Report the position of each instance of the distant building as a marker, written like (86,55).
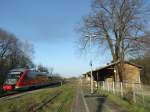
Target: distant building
(133,73)
(86,76)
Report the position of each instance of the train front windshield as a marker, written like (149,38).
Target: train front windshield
(12,77)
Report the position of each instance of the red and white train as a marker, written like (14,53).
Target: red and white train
(25,78)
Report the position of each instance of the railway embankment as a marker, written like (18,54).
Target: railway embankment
(48,99)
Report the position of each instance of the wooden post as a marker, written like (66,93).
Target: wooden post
(81,81)
(113,87)
(139,79)
(107,85)
(121,87)
(103,85)
(61,83)
(97,79)
(142,95)
(133,90)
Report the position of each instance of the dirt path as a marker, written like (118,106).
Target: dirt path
(79,104)
(93,103)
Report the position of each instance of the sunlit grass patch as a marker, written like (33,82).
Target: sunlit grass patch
(28,101)
(130,107)
(63,101)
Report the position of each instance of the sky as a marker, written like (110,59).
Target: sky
(50,26)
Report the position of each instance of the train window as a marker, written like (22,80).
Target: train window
(41,75)
(29,76)
(32,74)
(12,77)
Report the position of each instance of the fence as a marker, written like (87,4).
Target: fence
(133,92)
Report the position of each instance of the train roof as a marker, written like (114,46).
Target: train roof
(22,70)
(18,69)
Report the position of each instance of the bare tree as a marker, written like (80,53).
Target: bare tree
(121,25)
(13,53)
(42,68)
(5,41)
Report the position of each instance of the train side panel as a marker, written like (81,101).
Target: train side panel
(31,79)
(27,79)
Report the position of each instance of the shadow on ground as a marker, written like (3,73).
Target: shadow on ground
(100,101)
(95,102)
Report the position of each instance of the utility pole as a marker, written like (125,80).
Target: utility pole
(91,64)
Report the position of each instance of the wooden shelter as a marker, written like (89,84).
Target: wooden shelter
(132,73)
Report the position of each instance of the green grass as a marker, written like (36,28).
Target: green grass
(27,102)
(1,92)
(64,100)
(129,107)
(24,103)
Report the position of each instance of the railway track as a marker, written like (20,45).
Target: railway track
(48,101)
(16,94)
(61,105)
(13,95)
(44,103)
